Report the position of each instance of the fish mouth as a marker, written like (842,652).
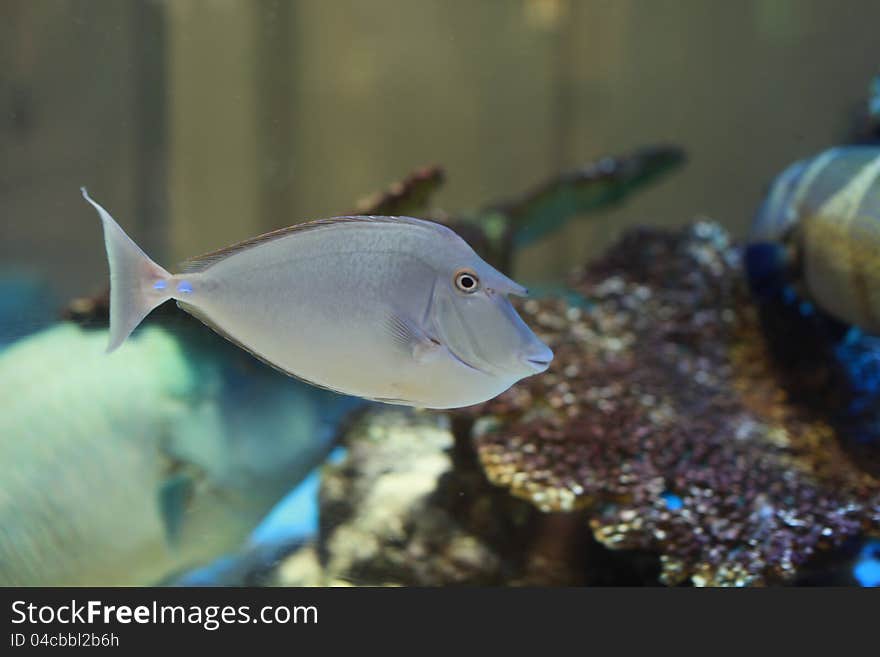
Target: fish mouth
(537,364)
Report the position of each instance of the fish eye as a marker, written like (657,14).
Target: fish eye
(466,281)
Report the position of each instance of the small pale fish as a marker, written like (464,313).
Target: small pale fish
(394,309)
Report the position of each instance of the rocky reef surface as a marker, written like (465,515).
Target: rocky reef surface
(404,508)
(665,444)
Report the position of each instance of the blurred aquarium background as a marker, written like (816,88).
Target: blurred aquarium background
(200,123)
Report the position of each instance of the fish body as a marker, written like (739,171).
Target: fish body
(819,227)
(127,470)
(394,309)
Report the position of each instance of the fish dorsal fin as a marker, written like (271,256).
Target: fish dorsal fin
(203,262)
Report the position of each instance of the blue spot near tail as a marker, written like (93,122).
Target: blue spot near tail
(160,285)
(184,287)
(673,501)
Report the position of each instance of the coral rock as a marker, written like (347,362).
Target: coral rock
(664,417)
(405,507)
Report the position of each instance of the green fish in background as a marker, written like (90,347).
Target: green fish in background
(126,470)
(499,229)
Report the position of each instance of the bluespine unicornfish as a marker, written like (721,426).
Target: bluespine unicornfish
(395,309)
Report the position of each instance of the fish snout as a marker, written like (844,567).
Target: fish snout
(538,358)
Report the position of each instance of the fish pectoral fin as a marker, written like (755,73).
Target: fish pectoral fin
(411,338)
(427,352)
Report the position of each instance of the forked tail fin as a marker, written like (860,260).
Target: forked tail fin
(137,284)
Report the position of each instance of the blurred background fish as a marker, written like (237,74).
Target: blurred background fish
(125,470)
(819,228)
